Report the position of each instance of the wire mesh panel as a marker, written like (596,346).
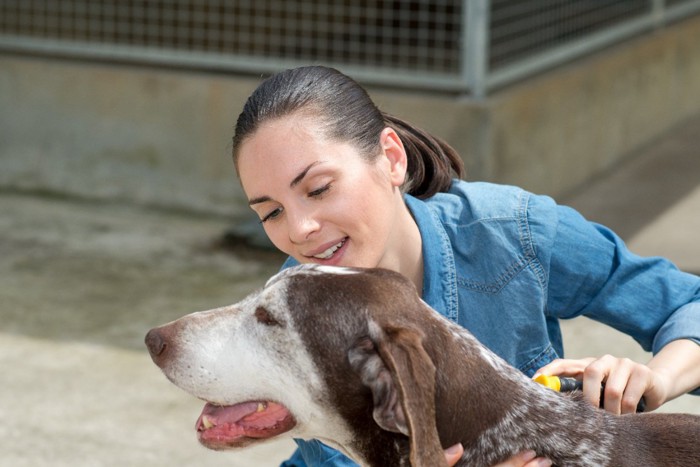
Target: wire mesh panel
(528,27)
(456,45)
(392,35)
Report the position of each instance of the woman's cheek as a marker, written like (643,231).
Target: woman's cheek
(277,236)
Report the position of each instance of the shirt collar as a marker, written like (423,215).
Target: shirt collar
(439,272)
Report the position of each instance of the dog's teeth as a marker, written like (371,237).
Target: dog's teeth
(261,406)
(207,422)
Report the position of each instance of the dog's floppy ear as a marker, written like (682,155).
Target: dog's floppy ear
(394,365)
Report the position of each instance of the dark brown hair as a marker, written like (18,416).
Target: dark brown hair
(346,113)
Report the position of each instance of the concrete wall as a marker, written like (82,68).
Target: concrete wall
(162,137)
(115,132)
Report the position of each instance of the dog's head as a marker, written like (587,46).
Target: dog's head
(329,353)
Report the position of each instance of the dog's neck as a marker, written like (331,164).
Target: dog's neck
(480,401)
(496,412)
(499,411)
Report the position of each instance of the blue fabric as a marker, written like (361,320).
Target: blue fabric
(315,453)
(508,265)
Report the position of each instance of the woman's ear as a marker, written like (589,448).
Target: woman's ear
(393,150)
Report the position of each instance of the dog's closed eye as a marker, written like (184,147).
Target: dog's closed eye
(263,316)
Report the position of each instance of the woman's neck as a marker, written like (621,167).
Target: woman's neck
(407,255)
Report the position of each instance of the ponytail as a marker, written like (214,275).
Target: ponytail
(432,163)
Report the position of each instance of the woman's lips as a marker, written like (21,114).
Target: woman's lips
(328,251)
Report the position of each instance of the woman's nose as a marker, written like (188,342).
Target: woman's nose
(301,227)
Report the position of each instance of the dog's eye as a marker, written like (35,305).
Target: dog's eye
(263,316)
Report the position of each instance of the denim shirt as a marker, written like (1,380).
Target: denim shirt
(508,265)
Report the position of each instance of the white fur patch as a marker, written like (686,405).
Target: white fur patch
(226,356)
(310,269)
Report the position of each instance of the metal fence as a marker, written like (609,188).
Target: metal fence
(455,45)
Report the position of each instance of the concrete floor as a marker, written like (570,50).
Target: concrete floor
(82,282)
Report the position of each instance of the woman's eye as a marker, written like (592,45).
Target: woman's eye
(319,191)
(273,214)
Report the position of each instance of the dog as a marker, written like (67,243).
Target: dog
(354,358)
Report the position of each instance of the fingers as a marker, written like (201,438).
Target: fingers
(636,387)
(525,459)
(625,381)
(453,454)
(593,377)
(565,367)
(616,373)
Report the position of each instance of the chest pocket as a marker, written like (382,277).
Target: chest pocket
(499,279)
(493,251)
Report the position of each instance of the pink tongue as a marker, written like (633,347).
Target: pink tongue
(229,426)
(229,413)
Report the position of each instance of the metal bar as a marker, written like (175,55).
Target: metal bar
(475,43)
(681,11)
(220,62)
(658,12)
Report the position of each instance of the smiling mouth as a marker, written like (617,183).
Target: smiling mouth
(331,250)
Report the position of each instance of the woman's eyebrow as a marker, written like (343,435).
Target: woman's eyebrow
(302,174)
(295,181)
(258,200)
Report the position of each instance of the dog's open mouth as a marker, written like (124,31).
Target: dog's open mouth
(232,426)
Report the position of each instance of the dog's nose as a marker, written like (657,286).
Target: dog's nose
(156,344)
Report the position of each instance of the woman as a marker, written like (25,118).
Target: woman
(335,181)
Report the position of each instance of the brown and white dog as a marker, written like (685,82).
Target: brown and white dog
(356,359)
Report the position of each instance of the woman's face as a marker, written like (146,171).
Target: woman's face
(318,200)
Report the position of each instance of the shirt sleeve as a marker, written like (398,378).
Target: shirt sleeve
(593,273)
(314,453)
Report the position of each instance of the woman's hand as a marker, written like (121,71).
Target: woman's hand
(674,370)
(626,382)
(453,454)
(524,459)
